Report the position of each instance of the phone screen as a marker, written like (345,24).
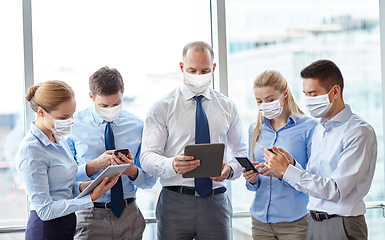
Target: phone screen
(124,151)
(245,162)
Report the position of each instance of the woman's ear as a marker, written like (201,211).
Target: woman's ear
(40,112)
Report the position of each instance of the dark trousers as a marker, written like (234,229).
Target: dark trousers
(62,228)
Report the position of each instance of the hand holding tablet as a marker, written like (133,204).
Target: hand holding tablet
(110,172)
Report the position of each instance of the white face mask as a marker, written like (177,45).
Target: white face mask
(318,106)
(271,110)
(61,127)
(197,83)
(109,114)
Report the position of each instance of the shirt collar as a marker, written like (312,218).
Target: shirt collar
(39,134)
(98,120)
(341,117)
(188,94)
(290,120)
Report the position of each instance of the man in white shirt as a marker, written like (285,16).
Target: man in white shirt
(342,162)
(182,212)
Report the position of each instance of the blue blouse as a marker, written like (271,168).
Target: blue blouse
(275,200)
(48,172)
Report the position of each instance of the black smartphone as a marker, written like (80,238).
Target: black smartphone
(245,162)
(124,151)
(271,150)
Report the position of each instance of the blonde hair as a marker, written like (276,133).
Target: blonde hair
(272,78)
(49,95)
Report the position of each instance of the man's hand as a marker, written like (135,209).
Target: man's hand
(183,164)
(276,161)
(99,163)
(226,169)
(132,170)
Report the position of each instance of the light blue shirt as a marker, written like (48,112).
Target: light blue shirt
(86,142)
(341,166)
(48,172)
(275,200)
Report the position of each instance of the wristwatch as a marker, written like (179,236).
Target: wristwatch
(231,173)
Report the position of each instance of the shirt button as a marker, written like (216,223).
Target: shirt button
(267,200)
(268,186)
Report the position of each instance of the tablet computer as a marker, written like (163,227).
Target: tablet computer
(211,157)
(110,171)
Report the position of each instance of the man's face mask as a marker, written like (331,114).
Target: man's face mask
(318,106)
(197,83)
(109,114)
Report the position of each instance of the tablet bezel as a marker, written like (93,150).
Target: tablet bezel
(110,171)
(211,157)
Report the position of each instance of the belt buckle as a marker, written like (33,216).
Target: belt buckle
(317,216)
(105,206)
(197,194)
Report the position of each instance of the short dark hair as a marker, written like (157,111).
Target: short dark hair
(106,81)
(326,72)
(198,46)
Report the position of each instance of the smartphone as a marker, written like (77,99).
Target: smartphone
(271,150)
(245,162)
(124,151)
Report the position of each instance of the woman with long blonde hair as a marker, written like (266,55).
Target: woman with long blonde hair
(278,210)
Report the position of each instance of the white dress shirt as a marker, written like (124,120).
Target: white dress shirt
(341,166)
(170,126)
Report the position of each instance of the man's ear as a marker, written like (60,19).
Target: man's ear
(181,66)
(214,65)
(336,90)
(91,96)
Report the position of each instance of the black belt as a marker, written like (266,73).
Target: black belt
(107,205)
(320,216)
(191,191)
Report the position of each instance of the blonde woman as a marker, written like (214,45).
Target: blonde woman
(278,210)
(47,168)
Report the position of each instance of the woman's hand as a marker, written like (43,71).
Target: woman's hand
(103,187)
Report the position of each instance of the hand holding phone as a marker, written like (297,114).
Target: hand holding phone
(245,162)
(124,151)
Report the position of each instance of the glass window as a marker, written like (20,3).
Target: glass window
(289,35)
(13,201)
(142,39)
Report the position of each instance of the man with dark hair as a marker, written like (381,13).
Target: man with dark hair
(342,162)
(97,131)
(193,113)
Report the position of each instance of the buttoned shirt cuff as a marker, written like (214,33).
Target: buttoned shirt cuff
(140,179)
(236,168)
(82,173)
(252,187)
(169,169)
(292,175)
(85,201)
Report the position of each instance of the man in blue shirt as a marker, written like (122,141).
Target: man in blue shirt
(87,142)
(342,162)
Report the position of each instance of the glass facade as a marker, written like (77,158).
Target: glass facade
(289,35)
(144,41)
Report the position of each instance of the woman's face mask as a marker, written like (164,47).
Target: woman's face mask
(197,83)
(318,106)
(109,114)
(271,110)
(61,127)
